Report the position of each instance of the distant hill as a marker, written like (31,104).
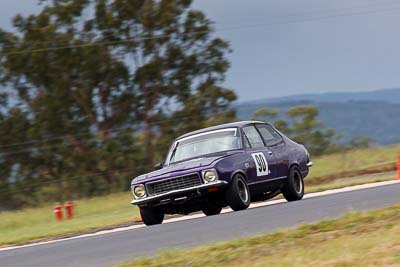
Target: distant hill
(384,95)
(375,114)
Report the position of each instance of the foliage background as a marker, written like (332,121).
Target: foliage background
(88,102)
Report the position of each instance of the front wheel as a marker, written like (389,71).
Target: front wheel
(151,216)
(238,193)
(211,210)
(294,187)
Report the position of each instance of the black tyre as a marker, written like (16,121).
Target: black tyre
(294,187)
(151,216)
(211,210)
(238,193)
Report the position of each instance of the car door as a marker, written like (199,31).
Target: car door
(277,146)
(261,161)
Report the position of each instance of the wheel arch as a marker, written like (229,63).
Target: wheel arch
(292,165)
(238,172)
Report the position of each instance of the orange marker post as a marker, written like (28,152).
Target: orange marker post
(69,210)
(58,212)
(398,168)
(139,217)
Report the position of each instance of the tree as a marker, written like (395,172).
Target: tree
(361,142)
(176,57)
(264,114)
(307,130)
(100,94)
(267,114)
(73,97)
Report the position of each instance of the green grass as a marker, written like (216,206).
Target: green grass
(357,239)
(34,223)
(349,181)
(353,161)
(18,227)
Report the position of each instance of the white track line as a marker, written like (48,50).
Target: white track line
(226,210)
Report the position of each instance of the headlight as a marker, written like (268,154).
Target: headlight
(138,191)
(210,176)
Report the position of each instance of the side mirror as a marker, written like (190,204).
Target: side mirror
(158,166)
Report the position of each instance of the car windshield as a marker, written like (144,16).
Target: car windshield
(204,143)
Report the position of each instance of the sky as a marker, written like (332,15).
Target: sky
(283,48)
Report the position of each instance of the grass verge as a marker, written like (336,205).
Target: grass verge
(26,225)
(357,239)
(354,163)
(341,182)
(18,227)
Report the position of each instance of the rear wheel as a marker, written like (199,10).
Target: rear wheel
(294,187)
(151,216)
(211,210)
(238,193)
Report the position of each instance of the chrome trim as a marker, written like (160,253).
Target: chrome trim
(181,198)
(201,180)
(133,191)
(174,177)
(209,132)
(212,170)
(266,181)
(173,192)
(310,164)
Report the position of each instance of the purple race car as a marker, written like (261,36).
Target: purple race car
(226,165)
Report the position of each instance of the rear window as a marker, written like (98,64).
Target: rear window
(253,136)
(270,136)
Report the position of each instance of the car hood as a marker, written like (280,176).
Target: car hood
(168,171)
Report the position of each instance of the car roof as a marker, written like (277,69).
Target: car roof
(219,127)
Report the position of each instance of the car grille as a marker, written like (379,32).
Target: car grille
(167,185)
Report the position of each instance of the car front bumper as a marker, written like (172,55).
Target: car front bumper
(177,192)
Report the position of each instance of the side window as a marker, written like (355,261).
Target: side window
(270,136)
(246,142)
(253,136)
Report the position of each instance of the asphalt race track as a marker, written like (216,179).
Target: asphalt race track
(113,248)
